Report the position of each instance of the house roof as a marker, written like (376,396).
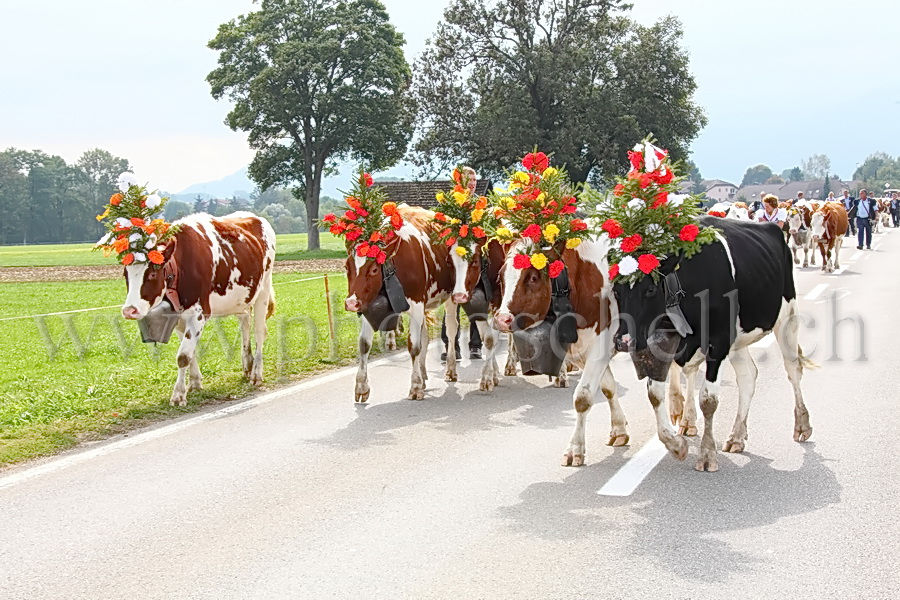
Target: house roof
(421,193)
(812,190)
(711,183)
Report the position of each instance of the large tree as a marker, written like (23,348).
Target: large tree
(756,175)
(13,192)
(314,82)
(878,172)
(575,78)
(96,172)
(816,166)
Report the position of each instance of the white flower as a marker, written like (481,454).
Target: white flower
(638,148)
(153,200)
(676,201)
(123,222)
(652,158)
(135,237)
(151,243)
(636,204)
(140,257)
(125,181)
(627,265)
(654,229)
(104,240)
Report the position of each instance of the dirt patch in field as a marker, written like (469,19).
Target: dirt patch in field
(21,274)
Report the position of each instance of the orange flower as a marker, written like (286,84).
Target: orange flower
(389,208)
(115,199)
(376,236)
(155,257)
(121,244)
(137,222)
(481,204)
(128,259)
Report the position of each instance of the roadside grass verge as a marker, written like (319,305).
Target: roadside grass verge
(289,246)
(68,378)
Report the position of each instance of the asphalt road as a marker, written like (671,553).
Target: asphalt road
(307,495)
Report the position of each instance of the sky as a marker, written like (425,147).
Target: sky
(780,80)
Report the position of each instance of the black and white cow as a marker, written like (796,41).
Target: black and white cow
(735,291)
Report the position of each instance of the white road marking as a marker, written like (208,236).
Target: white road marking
(632,473)
(155,434)
(816,291)
(856,256)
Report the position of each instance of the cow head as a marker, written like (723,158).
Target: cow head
(364,281)
(526,295)
(644,328)
(739,211)
(817,226)
(146,285)
(467,273)
(794,221)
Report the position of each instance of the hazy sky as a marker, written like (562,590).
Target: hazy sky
(780,80)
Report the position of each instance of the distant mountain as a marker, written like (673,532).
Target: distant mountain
(237,184)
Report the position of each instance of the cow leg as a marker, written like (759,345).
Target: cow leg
(418,338)
(451,320)
(709,401)
(787,332)
(812,251)
(677,445)
(838,244)
(745,371)
(366,334)
(512,359)
(687,426)
(794,249)
(806,256)
(490,371)
(246,350)
(193,327)
(676,397)
(260,333)
(390,340)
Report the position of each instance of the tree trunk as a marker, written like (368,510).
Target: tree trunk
(312,207)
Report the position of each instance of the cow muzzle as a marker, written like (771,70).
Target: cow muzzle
(131,313)
(504,322)
(461,297)
(352,304)
(793,231)
(624,343)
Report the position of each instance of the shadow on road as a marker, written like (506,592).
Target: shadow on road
(677,513)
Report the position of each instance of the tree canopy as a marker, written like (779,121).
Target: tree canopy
(577,78)
(756,175)
(314,82)
(878,172)
(816,166)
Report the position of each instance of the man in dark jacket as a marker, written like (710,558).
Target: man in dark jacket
(866,209)
(895,208)
(850,207)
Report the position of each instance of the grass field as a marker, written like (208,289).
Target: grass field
(290,246)
(66,378)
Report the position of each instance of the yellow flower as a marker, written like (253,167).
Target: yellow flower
(440,197)
(514,186)
(550,233)
(477,214)
(510,203)
(104,215)
(538,261)
(541,198)
(521,178)
(455,221)
(461,251)
(460,198)
(572,243)
(504,233)
(550,172)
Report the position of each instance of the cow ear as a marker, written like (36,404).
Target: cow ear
(169,250)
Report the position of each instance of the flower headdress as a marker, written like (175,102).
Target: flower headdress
(462,216)
(134,235)
(646,220)
(540,208)
(370,224)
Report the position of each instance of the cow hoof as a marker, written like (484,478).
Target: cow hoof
(362,397)
(416,394)
(709,464)
(805,265)
(733,446)
(487,384)
(510,371)
(496,380)
(796,261)
(802,434)
(182,401)
(450,376)
(571,459)
(617,440)
(675,418)
(561,383)
(681,448)
(687,430)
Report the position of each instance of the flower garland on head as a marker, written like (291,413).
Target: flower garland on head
(370,224)
(136,234)
(539,207)
(463,217)
(645,218)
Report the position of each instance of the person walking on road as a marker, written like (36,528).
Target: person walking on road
(865,214)
(771,213)
(895,208)
(850,207)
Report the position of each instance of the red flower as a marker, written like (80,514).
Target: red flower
(350,215)
(373,252)
(464,231)
(445,233)
(647,262)
(536,161)
(128,259)
(362,212)
(645,180)
(478,232)
(337,228)
(450,241)
(457,176)
(382,256)
(439,216)
(556,267)
(617,191)
(661,178)
(353,202)
(115,199)
(661,198)
(137,222)
(376,236)
(716,213)
(362,249)
(396,221)
(329,218)
(614,271)
(632,243)
(636,159)
(689,233)
(522,261)
(569,209)
(579,225)
(612,227)
(353,235)
(156,257)
(533,231)
(366,180)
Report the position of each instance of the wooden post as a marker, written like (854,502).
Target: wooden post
(330,316)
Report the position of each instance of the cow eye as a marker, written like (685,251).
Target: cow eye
(151,275)
(651,291)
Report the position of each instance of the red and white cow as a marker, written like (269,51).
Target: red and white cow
(829,224)
(214,267)
(426,273)
(799,222)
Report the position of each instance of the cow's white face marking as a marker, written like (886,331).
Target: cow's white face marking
(135,275)
(460,267)
(818,226)
(739,213)
(511,276)
(794,220)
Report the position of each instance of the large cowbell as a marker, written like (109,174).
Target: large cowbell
(543,348)
(479,303)
(159,323)
(383,313)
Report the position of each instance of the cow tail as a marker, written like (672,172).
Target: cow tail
(270,310)
(805,361)
(431,319)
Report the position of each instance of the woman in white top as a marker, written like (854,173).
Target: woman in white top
(770,212)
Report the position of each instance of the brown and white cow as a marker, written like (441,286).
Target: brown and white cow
(798,223)
(214,267)
(426,273)
(467,276)
(829,224)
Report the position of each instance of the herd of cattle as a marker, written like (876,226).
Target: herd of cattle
(704,309)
